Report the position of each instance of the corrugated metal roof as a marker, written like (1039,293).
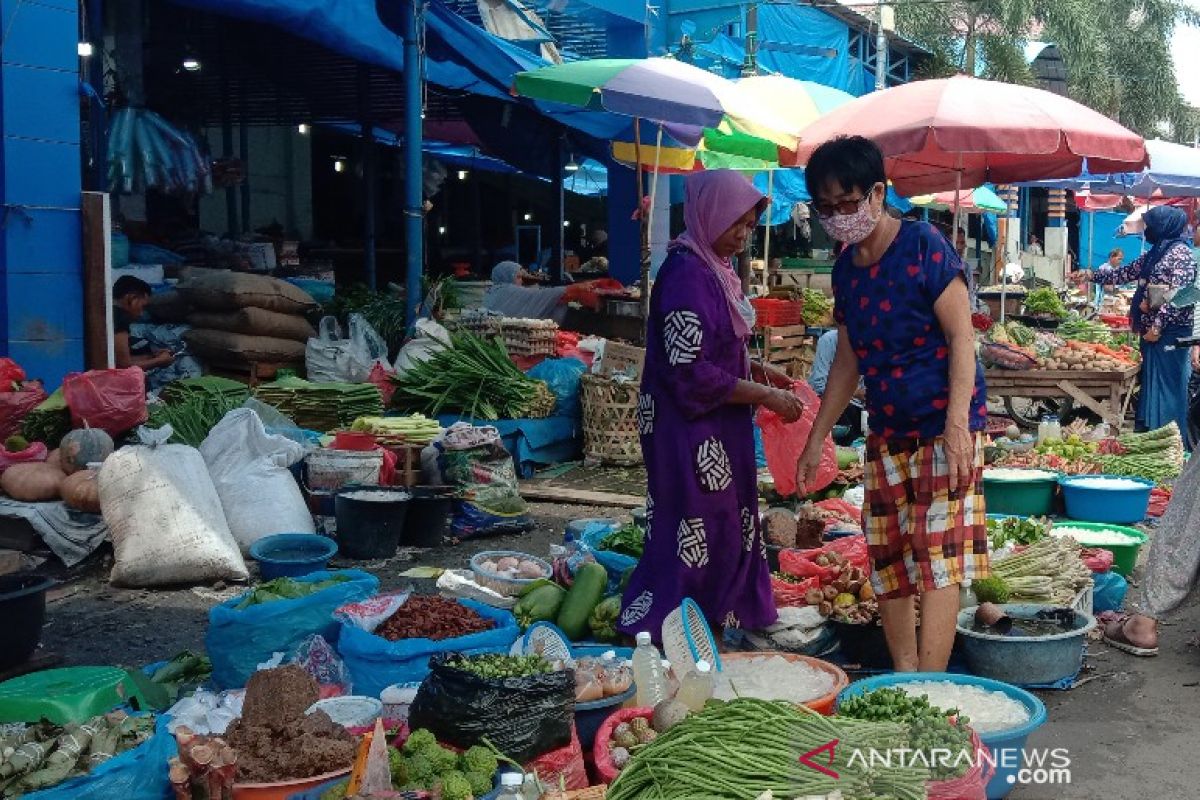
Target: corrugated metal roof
(577,38)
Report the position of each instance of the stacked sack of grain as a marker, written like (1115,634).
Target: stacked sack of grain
(239,319)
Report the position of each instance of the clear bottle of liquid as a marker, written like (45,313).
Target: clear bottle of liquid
(648,673)
(510,786)
(697,687)
(1049,429)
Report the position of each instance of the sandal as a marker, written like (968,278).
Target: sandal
(1120,640)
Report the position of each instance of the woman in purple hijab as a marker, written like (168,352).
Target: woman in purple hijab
(695,415)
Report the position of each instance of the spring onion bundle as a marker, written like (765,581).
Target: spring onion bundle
(1085,330)
(1050,570)
(193,418)
(474,377)
(747,747)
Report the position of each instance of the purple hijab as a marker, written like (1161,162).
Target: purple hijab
(715,200)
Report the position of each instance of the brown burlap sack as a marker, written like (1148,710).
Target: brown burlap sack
(168,307)
(237,348)
(229,291)
(255,322)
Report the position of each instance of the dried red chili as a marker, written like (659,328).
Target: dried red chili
(431,617)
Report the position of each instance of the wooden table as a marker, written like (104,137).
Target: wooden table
(1107,394)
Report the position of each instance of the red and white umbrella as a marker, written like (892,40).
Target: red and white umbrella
(940,135)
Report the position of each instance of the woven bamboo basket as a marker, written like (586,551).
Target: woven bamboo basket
(610,426)
(590,793)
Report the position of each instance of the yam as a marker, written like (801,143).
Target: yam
(32,483)
(81,491)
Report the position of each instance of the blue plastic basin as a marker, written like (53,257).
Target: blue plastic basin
(1007,747)
(1024,660)
(290,555)
(1116,506)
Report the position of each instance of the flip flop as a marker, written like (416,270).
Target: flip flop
(1120,641)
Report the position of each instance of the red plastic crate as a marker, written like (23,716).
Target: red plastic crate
(774,313)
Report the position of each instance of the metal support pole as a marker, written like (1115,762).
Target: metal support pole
(881,51)
(370,174)
(560,191)
(244,155)
(414,221)
(97,115)
(231,215)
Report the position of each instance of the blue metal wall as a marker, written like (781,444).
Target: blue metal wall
(41,262)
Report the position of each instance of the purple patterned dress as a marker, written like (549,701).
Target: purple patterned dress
(704,540)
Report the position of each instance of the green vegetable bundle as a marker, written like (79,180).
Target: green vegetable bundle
(1155,455)
(1084,330)
(474,377)
(49,422)
(816,306)
(1045,302)
(194,417)
(1049,570)
(422,763)
(629,540)
(930,729)
(1020,334)
(1017,530)
(286,589)
(744,748)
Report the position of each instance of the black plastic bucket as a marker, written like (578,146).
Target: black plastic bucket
(370,520)
(23,608)
(428,516)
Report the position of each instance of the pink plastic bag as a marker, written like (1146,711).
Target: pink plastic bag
(381,376)
(803,563)
(15,406)
(837,505)
(30,455)
(783,443)
(113,400)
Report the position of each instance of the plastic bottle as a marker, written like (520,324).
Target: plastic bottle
(697,686)
(1049,428)
(648,673)
(510,786)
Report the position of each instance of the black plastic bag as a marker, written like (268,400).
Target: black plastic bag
(523,717)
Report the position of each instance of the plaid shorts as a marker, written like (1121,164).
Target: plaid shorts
(921,536)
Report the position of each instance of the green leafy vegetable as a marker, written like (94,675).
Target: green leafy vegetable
(286,589)
(1045,302)
(629,540)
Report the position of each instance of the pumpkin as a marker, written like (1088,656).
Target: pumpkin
(81,491)
(82,447)
(32,483)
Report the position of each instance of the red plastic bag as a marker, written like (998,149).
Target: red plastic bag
(606,771)
(972,785)
(791,595)
(15,406)
(113,400)
(30,455)
(11,373)
(1097,560)
(803,563)
(1160,498)
(837,505)
(783,443)
(382,378)
(562,768)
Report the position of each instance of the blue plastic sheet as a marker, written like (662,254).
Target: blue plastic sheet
(238,641)
(137,774)
(614,564)
(375,663)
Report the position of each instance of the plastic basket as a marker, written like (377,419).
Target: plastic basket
(546,639)
(509,587)
(687,639)
(771,312)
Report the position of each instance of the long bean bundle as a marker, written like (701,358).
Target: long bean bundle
(474,377)
(746,747)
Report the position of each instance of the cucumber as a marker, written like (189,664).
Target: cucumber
(584,595)
(539,605)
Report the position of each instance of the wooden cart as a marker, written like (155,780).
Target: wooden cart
(1106,394)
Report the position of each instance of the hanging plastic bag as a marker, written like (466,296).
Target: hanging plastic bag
(331,359)
(15,406)
(784,442)
(113,400)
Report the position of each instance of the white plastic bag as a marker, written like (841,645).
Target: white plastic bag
(249,468)
(165,517)
(332,359)
(430,338)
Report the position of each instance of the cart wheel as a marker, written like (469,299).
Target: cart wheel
(1027,412)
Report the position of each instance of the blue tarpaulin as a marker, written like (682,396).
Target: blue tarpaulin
(796,41)
(788,188)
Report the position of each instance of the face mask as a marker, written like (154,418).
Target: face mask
(851,228)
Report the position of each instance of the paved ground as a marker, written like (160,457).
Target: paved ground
(1130,730)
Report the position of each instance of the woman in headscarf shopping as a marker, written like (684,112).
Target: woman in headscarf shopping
(695,417)
(1166,366)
